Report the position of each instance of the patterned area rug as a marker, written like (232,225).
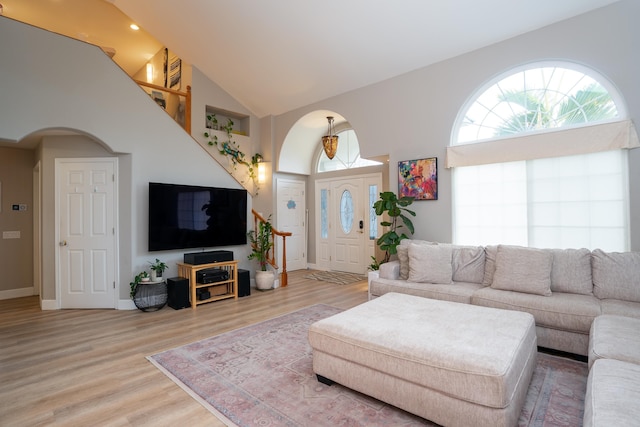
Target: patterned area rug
(336,277)
(261,375)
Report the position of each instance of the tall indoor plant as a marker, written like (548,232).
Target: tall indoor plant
(261,243)
(396,210)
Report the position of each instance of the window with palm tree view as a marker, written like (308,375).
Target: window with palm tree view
(560,191)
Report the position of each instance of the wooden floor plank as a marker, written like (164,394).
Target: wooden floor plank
(89,367)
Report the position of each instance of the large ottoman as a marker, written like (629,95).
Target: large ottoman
(454,364)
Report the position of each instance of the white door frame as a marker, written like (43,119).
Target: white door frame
(37,231)
(115,267)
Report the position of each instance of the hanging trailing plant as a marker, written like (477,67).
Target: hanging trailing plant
(230,149)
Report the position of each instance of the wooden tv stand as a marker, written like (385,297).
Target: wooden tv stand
(219,290)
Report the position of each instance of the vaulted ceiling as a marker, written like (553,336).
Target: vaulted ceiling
(277,55)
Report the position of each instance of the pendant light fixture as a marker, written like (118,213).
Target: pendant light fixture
(330,141)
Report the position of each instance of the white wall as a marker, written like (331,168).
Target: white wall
(50,81)
(411,116)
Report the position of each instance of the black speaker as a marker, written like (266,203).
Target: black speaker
(244,283)
(199,258)
(178,292)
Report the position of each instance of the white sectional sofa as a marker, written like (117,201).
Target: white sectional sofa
(564,289)
(583,302)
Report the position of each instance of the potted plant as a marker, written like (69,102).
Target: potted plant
(157,268)
(261,242)
(139,278)
(395,208)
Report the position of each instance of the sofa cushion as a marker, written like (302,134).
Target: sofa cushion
(523,269)
(620,308)
(567,312)
(614,337)
(571,271)
(613,393)
(616,275)
(455,292)
(430,263)
(468,264)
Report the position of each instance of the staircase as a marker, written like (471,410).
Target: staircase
(271,257)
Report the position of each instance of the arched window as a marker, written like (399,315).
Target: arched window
(347,156)
(539,160)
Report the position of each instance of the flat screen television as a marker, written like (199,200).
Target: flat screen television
(187,216)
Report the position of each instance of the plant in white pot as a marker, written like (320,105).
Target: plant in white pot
(261,242)
(157,268)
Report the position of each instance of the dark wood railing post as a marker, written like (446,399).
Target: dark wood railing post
(284,279)
(187,110)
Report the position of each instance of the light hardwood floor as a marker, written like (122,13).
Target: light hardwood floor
(88,367)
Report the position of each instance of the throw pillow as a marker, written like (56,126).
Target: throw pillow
(489,264)
(403,254)
(523,269)
(468,264)
(403,258)
(430,263)
(571,271)
(616,275)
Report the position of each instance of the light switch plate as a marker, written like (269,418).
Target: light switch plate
(10,234)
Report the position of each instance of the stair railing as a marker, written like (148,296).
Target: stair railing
(271,255)
(187,102)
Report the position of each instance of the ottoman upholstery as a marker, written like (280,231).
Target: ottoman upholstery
(614,337)
(452,363)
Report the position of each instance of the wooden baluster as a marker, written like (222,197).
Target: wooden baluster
(187,111)
(283,276)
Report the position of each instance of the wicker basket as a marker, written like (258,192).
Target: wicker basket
(150,296)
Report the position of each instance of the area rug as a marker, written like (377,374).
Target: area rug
(261,375)
(336,277)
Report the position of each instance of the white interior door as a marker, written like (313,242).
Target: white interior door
(85,218)
(292,218)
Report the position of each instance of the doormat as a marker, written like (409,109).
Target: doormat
(336,277)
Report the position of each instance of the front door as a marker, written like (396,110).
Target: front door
(346,227)
(85,222)
(347,215)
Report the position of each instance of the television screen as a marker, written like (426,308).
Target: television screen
(187,216)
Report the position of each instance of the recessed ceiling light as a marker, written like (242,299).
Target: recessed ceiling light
(134,27)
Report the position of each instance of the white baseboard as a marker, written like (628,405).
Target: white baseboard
(123,304)
(17,293)
(126,304)
(49,304)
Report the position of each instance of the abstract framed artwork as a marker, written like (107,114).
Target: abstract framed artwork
(418,179)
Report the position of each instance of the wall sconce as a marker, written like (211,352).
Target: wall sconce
(149,73)
(262,172)
(330,141)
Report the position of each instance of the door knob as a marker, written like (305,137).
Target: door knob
(63,243)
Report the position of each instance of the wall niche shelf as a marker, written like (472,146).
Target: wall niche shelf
(241,122)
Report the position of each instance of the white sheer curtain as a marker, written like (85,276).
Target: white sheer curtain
(563,202)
